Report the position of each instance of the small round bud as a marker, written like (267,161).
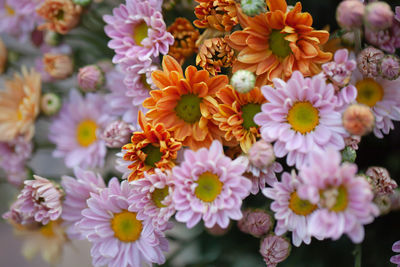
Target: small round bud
(349,154)
(383,203)
(117,134)
(37,37)
(255,222)
(82,2)
(252,7)
(52,38)
(58,66)
(50,104)
(378,16)
(349,14)
(261,154)
(390,67)
(380,180)
(90,78)
(217,230)
(358,119)
(243,81)
(368,61)
(274,249)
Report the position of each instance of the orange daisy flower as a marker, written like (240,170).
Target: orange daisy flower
(236,113)
(217,14)
(185,104)
(278,42)
(153,148)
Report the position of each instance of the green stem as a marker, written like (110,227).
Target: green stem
(357,255)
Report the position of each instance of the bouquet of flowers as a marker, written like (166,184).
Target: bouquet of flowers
(233,125)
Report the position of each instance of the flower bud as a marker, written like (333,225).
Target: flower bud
(261,154)
(117,134)
(218,230)
(349,14)
(50,104)
(358,119)
(255,222)
(368,61)
(390,67)
(380,180)
(243,81)
(352,141)
(378,16)
(252,7)
(52,38)
(90,78)
(59,66)
(349,154)
(274,249)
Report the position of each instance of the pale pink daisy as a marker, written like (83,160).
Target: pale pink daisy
(291,212)
(119,238)
(300,116)
(396,248)
(39,200)
(76,129)
(152,196)
(137,29)
(209,186)
(345,200)
(383,97)
(77,192)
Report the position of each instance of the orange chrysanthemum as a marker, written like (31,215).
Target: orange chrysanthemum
(278,42)
(153,148)
(217,14)
(185,36)
(185,104)
(236,113)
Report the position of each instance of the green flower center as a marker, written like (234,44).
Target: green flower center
(278,45)
(248,113)
(369,92)
(140,32)
(208,187)
(188,108)
(153,155)
(126,227)
(60,14)
(158,195)
(300,206)
(303,117)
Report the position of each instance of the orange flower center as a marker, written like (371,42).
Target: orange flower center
(188,108)
(303,117)
(248,113)
(9,10)
(208,187)
(86,132)
(300,206)
(158,195)
(126,227)
(369,92)
(47,230)
(140,32)
(153,155)
(278,45)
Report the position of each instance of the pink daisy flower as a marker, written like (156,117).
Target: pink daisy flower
(77,191)
(13,158)
(345,200)
(153,198)
(383,97)
(39,200)
(209,186)
(396,248)
(291,212)
(137,29)
(76,128)
(120,238)
(300,116)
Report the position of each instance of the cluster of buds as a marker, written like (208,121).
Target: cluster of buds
(373,62)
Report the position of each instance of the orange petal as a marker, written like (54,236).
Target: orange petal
(160,79)
(199,134)
(277,5)
(170,64)
(216,83)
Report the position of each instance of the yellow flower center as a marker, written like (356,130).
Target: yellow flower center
(126,227)
(188,108)
(153,155)
(335,198)
(143,80)
(47,230)
(158,195)
(9,10)
(300,206)
(303,117)
(369,92)
(86,132)
(278,45)
(208,187)
(248,113)
(140,32)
